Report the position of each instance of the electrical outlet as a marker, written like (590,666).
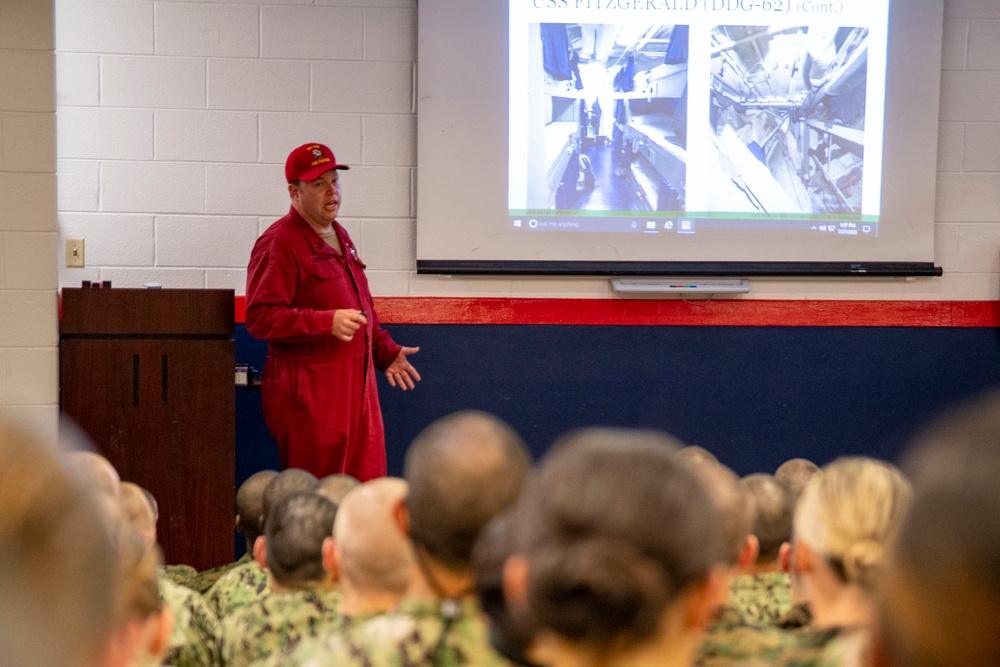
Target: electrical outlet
(74,252)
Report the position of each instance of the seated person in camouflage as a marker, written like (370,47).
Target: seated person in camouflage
(617,553)
(845,525)
(143,621)
(760,593)
(335,487)
(940,604)
(58,563)
(192,642)
(247,583)
(462,470)
(794,474)
(303,599)
(735,509)
(368,554)
(249,508)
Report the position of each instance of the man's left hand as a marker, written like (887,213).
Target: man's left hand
(401,372)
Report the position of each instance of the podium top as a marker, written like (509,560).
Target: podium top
(142,312)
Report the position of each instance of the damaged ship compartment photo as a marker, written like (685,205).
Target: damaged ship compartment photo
(610,118)
(787,117)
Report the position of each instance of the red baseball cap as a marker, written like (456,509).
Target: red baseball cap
(309,161)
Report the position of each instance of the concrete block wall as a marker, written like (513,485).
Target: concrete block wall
(29,371)
(174,119)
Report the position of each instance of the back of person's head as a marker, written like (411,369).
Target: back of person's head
(96,472)
(850,513)
(295,529)
(774,507)
(137,512)
(287,483)
(250,503)
(613,530)
(142,627)
(56,558)
(940,606)
(335,487)
(691,453)
(463,470)
(374,555)
(795,474)
(732,501)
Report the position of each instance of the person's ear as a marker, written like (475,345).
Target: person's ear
(750,551)
(331,559)
(401,516)
(292,190)
(161,636)
(260,552)
(516,578)
(236,524)
(785,557)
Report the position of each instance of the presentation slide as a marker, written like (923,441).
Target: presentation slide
(677,137)
(685,116)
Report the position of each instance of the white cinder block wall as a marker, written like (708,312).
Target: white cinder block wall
(28,314)
(174,119)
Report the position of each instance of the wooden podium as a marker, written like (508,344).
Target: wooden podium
(148,375)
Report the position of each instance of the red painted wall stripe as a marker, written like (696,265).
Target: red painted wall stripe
(648,312)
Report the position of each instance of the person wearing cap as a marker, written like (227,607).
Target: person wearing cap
(308,297)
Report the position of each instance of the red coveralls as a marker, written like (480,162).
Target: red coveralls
(318,392)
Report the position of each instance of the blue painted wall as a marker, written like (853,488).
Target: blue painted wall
(755,396)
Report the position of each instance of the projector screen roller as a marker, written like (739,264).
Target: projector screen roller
(678,137)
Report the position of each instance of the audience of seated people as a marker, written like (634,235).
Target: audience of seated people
(619,548)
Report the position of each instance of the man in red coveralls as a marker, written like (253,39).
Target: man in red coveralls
(308,297)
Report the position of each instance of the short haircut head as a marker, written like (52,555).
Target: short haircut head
(774,507)
(374,553)
(138,583)
(295,530)
(614,529)
(851,512)
(795,474)
(287,483)
(733,503)
(56,556)
(96,472)
(463,470)
(941,602)
(250,502)
(136,510)
(335,487)
(696,453)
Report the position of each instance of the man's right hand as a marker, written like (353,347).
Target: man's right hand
(346,322)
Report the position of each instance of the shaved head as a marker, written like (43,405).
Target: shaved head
(773,522)
(335,487)
(287,483)
(795,474)
(250,503)
(295,530)
(373,552)
(463,470)
(733,503)
(137,512)
(96,472)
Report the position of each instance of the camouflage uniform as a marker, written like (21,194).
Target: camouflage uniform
(338,625)
(750,646)
(241,586)
(201,582)
(761,599)
(193,640)
(274,623)
(799,616)
(179,574)
(415,633)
